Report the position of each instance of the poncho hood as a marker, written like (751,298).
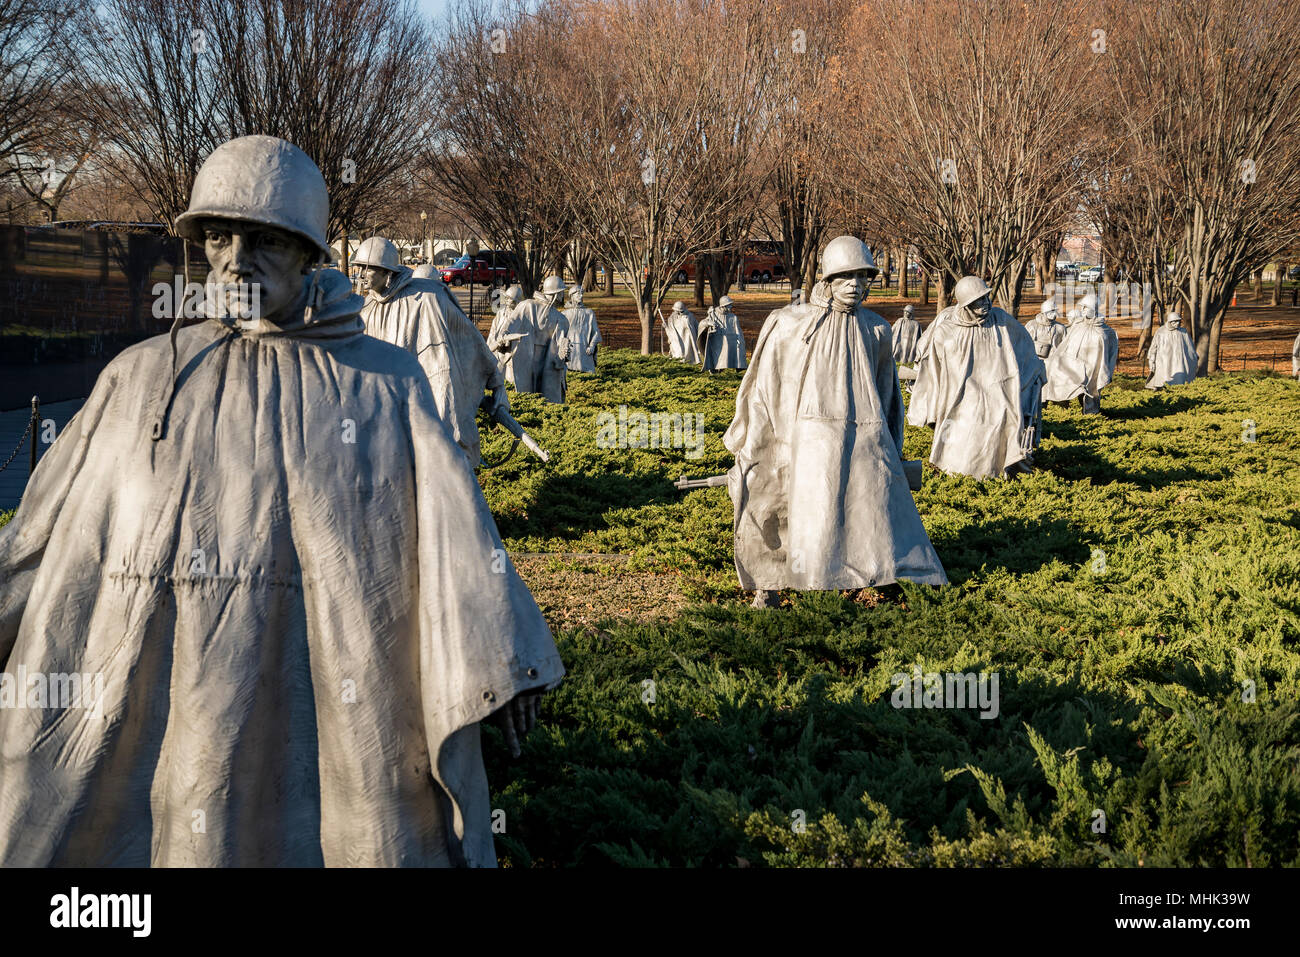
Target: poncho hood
(327,308)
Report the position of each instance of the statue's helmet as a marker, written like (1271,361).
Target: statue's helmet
(1048,308)
(725,302)
(969,289)
(261,179)
(553,286)
(846,254)
(425,271)
(1088,306)
(575,295)
(515,292)
(378,251)
(1173,318)
(679,305)
(909,310)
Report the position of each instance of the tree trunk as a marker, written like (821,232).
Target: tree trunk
(925,287)
(345,256)
(700,265)
(1257,285)
(886,270)
(810,272)
(609,279)
(902,273)
(945,284)
(589,279)
(1279,270)
(645,312)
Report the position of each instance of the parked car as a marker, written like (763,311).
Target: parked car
(504,264)
(1090,274)
(458,273)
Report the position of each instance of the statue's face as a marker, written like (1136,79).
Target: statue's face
(375,279)
(257,265)
(981,306)
(850,288)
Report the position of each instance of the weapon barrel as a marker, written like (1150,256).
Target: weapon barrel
(508,422)
(713,481)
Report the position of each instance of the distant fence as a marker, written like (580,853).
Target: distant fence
(71,299)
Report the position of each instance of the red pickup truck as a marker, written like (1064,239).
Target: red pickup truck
(458,273)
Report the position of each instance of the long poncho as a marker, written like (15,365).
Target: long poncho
(821,501)
(297,599)
(1083,362)
(536,360)
(1171,357)
(422,317)
(681,329)
(584,337)
(978,385)
(1046,333)
(906,332)
(722,344)
(1295,357)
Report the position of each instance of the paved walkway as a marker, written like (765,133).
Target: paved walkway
(14,479)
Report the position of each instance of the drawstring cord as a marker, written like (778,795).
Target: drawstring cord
(160,423)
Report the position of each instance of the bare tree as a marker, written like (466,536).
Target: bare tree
(1208,98)
(345,82)
(982,161)
(32,60)
(486,154)
(659,109)
(152,87)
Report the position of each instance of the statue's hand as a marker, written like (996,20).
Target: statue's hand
(518,717)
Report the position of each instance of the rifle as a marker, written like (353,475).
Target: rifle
(503,418)
(713,481)
(911,469)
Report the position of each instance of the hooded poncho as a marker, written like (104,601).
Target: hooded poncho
(821,501)
(721,343)
(297,599)
(584,337)
(536,359)
(1171,357)
(906,332)
(422,317)
(1046,333)
(1082,362)
(681,330)
(978,384)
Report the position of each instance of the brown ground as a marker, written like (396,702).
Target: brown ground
(1260,335)
(577,591)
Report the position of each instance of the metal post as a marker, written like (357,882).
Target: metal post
(35,427)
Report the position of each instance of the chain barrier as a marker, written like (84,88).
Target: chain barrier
(31,424)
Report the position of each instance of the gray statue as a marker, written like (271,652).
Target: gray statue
(681,330)
(978,383)
(1082,364)
(1295,358)
(1045,329)
(534,341)
(721,343)
(821,498)
(584,336)
(426,271)
(422,317)
(259,533)
(906,332)
(1171,357)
